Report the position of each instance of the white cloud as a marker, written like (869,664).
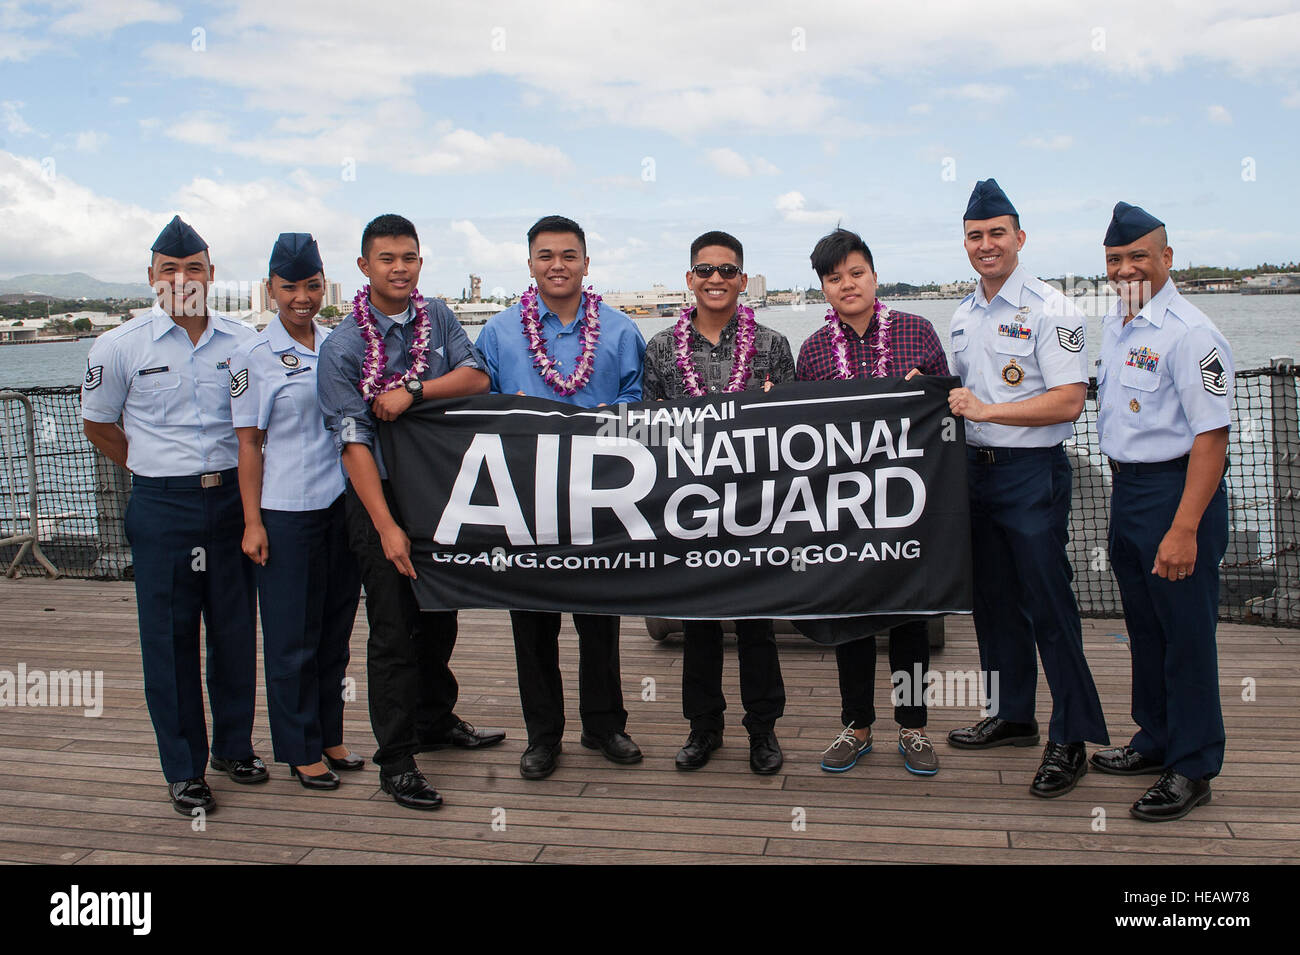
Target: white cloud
(919,109)
(90,17)
(1058,142)
(979,92)
(482,253)
(1292,100)
(731,163)
(11,115)
(51,223)
(1219,115)
(90,141)
(792,206)
(120,100)
(368,138)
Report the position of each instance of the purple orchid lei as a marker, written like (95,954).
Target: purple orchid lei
(373,381)
(543,362)
(883,319)
(741,365)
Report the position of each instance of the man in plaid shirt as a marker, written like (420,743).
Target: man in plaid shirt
(876,343)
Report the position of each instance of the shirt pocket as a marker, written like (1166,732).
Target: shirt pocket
(1139,378)
(158,396)
(1016,347)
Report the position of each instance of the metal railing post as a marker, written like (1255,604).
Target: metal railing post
(29,542)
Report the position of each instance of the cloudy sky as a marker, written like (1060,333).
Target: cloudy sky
(648,123)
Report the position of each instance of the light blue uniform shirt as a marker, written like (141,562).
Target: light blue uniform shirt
(173,396)
(273,387)
(1162,379)
(615,377)
(1026,341)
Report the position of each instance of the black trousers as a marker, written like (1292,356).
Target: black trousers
(909,645)
(541,691)
(762,691)
(411,687)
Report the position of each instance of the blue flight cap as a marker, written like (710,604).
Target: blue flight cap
(295,256)
(988,201)
(1128,224)
(178,240)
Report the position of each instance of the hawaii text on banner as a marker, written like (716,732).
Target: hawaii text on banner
(823,499)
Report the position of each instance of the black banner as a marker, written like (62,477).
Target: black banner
(826,499)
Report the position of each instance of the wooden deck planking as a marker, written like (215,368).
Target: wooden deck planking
(977,810)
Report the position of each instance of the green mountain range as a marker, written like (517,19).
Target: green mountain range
(73,285)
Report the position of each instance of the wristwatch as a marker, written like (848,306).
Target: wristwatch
(415,388)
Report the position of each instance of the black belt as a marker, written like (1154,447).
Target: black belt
(1155,467)
(996,455)
(211,479)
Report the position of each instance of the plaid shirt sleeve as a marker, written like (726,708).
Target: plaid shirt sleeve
(816,359)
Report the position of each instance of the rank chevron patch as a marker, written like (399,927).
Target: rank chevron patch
(238,383)
(1213,375)
(1070,341)
(94,375)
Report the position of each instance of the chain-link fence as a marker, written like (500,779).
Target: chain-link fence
(82,497)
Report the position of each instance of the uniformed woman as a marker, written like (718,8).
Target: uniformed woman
(308,582)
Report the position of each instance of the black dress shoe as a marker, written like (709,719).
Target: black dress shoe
(538,761)
(326,780)
(765,756)
(191,794)
(699,747)
(348,764)
(464,736)
(250,770)
(617,747)
(994,731)
(1063,765)
(1124,761)
(1172,797)
(411,790)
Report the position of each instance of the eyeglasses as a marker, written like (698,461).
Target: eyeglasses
(726,271)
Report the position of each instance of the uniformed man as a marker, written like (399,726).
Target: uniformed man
(1165,383)
(166,375)
(1019,348)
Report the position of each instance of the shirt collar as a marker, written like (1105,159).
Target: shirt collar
(1010,291)
(384,323)
(1154,310)
(162,323)
(281,341)
(729,330)
(545,312)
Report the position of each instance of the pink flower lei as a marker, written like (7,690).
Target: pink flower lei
(373,381)
(741,364)
(543,362)
(840,345)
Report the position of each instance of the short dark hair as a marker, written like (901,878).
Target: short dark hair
(556,224)
(1015,221)
(833,249)
(724,239)
(390,224)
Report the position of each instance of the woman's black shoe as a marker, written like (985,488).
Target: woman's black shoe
(349,763)
(326,780)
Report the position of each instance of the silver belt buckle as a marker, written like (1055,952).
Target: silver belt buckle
(210,480)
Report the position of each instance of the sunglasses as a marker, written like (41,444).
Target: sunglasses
(726,271)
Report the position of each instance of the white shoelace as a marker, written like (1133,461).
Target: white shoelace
(913,738)
(846,736)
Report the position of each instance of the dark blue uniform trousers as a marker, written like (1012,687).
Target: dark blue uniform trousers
(1171,624)
(185,543)
(1019,512)
(308,593)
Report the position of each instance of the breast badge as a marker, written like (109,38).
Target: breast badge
(1135,406)
(1012,373)
(289,360)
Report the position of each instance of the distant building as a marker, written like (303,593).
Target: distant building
(757,290)
(658,300)
(475,289)
(1279,283)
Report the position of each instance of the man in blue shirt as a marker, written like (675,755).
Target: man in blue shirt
(166,376)
(1165,388)
(391,352)
(562,343)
